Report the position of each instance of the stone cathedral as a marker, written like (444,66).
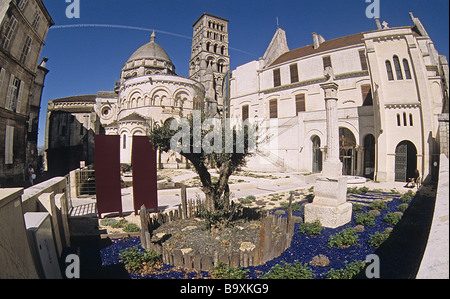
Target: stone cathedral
(392,100)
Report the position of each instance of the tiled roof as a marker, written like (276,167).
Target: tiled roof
(337,43)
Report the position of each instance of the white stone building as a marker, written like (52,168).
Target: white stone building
(149,93)
(391,90)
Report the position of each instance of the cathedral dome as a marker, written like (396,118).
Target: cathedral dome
(150,51)
(150,59)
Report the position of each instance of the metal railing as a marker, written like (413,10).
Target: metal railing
(85,182)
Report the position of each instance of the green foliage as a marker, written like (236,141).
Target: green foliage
(131,228)
(222,271)
(350,271)
(405,198)
(393,218)
(135,260)
(289,271)
(378,238)
(366,219)
(357,207)
(251,198)
(403,207)
(378,205)
(314,228)
(356,190)
(345,238)
(108,222)
(223,215)
(120,224)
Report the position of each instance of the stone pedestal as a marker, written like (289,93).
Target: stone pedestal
(330,205)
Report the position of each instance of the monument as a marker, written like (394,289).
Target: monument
(330,204)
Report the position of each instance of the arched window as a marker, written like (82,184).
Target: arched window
(208,45)
(389,70)
(124,141)
(398,68)
(215,48)
(222,50)
(405,120)
(399,121)
(407,69)
(411,120)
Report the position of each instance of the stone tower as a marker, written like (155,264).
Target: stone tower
(210,50)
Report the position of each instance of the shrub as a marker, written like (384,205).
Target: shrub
(345,238)
(366,219)
(289,271)
(131,228)
(135,259)
(393,218)
(378,205)
(350,271)
(378,238)
(405,198)
(119,224)
(222,271)
(403,207)
(353,190)
(364,189)
(357,207)
(314,228)
(108,222)
(251,198)
(245,201)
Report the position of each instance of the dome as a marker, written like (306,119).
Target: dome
(150,51)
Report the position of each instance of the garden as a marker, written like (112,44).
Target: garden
(315,252)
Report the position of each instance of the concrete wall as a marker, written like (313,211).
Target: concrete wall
(435,263)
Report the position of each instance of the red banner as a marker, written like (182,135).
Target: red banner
(107,174)
(145,188)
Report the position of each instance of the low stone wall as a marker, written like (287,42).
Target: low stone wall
(435,262)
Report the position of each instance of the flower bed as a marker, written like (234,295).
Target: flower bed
(304,247)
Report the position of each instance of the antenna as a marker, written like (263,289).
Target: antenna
(278,24)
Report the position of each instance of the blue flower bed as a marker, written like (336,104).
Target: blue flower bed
(303,247)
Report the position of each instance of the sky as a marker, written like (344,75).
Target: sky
(87,59)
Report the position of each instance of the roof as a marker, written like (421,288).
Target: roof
(210,15)
(78,98)
(133,117)
(150,50)
(337,43)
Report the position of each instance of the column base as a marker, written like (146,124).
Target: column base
(330,217)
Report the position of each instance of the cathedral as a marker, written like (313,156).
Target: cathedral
(392,95)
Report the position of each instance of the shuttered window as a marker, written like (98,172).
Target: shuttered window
(300,103)
(9,33)
(367,95)
(326,62)
(276,78)
(13,96)
(9,145)
(273,108)
(363,59)
(245,112)
(389,70)
(294,73)
(398,68)
(25,49)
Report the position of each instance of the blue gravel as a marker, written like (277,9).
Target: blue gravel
(303,247)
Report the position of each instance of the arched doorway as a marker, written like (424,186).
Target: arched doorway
(347,152)
(405,161)
(317,155)
(369,156)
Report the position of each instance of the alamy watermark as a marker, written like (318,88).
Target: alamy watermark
(73,9)
(373,9)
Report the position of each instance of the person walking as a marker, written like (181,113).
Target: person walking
(31,174)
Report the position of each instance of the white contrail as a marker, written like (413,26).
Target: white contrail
(132,28)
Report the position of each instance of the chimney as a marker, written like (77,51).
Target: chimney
(317,39)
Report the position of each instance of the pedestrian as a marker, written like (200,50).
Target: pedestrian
(31,174)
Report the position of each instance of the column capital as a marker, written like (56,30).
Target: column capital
(331,89)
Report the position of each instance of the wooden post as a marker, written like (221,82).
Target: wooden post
(145,233)
(184,201)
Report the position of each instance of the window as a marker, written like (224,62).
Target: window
(407,69)
(399,121)
(389,70)
(21,4)
(294,73)
(366,90)
(13,95)
(25,49)
(37,18)
(363,59)
(245,112)
(405,121)
(300,103)
(124,142)
(398,68)
(2,77)
(326,62)
(9,33)
(276,78)
(411,120)
(9,145)
(273,108)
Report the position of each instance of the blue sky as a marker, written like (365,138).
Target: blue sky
(85,60)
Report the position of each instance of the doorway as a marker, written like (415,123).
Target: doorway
(405,161)
(369,156)
(347,151)
(317,155)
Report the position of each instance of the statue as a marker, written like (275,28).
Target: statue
(329,74)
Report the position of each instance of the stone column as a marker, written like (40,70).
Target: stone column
(330,204)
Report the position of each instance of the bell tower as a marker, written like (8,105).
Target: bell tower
(210,50)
